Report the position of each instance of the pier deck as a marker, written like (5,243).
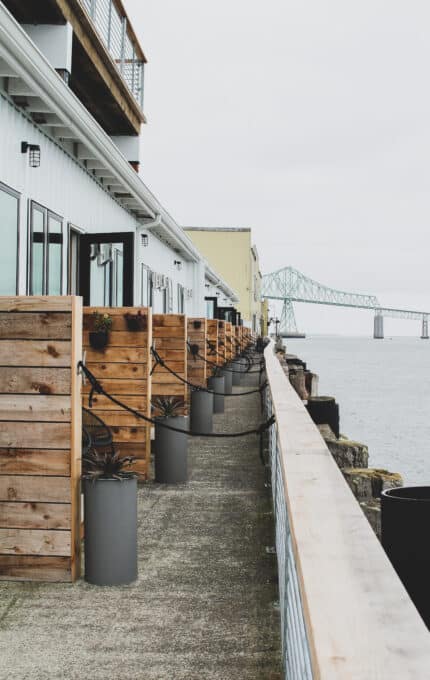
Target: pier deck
(203,605)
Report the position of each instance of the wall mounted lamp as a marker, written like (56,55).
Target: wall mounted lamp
(178,264)
(34,153)
(144,239)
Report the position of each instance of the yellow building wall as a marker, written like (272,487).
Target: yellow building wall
(229,253)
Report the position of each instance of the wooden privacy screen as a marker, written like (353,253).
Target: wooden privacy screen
(40,438)
(221,343)
(212,337)
(229,354)
(237,339)
(169,333)
(123,368)
(197,368)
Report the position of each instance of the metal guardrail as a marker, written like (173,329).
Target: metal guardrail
(113,28)
(295,645)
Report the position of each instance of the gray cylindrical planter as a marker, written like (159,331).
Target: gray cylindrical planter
(236,366)
(217,384)
(228,380)
(110,507)
(202,408)
(171,451)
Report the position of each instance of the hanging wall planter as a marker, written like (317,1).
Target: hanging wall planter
(197,324)
(110,517)
(99,337)
(136,322)
(170,447)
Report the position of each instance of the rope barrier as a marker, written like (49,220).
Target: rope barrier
(226,368)
(97,388)
(199,388)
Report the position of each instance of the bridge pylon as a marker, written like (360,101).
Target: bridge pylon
(378,326)
(288,325)
(425,328)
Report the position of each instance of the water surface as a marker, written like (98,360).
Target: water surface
(383,391)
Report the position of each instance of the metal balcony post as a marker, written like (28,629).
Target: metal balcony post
(109,25)
(123,36)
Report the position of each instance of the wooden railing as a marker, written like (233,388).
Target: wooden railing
(345,613)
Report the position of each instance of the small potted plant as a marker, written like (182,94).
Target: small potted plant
(197,324)
(135,322)
(102,324)
(110,518)
(170,447)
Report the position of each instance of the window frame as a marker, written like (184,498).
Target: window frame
(16,194)
(47,214)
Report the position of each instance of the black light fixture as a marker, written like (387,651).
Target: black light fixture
(206,285)
(144,238)
(34,155)
(178,264)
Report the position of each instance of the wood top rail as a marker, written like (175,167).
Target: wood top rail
(360,621)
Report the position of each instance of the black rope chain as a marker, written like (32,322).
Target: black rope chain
(223,368)
(199,388)
(98,389)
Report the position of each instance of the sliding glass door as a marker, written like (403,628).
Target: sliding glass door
(45,252)
(9,223)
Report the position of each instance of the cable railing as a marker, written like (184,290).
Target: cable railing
(115,32)
(344,612)
(295,645)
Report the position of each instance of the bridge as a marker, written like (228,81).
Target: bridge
(289,285)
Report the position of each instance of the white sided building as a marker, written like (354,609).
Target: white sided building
(75,217)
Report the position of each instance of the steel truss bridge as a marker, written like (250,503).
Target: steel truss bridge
(289,285)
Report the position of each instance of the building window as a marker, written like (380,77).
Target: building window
(9,229)
(146,286)
(46,252)
(181,299)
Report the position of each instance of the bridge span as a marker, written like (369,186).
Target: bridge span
(289,285)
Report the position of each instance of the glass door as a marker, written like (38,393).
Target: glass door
(106,269)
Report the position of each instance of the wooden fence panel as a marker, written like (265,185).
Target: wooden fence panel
(40,438)
(229,354)
(221,343)
(123,369)
(170,340)
(197,368)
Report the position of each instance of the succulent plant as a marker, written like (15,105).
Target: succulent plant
(168,407)
(106,465)
(102,322)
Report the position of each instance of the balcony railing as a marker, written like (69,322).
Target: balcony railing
(116,33)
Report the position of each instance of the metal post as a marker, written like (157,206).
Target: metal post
(109,24)
(123,36)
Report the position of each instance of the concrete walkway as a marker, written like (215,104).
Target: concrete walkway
(203,606)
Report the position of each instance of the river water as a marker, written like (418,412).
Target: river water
(383,391)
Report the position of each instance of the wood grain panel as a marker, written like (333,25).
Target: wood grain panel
(35,353)
(35,568)
(116,355)
(34,488)
(30,380)
(34,303)
(123,370)
(35,325)
(35,462)
(35,408)
(35,542)
(40,437)
(123,339)
(35,516)
(14,434)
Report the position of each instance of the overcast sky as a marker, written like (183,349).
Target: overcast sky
(308,121)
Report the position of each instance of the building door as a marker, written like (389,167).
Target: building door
(106,269)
